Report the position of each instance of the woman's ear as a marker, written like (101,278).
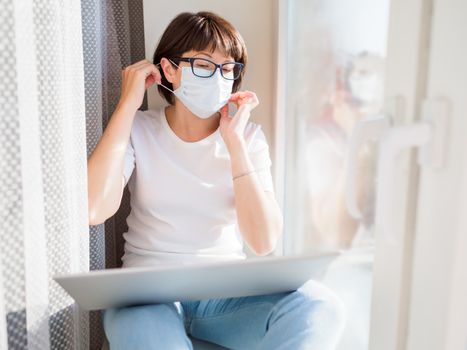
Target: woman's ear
(170,72)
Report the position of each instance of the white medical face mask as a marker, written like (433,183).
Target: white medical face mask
(366,89)
(203,96)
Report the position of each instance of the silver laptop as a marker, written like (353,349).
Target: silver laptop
(102,289)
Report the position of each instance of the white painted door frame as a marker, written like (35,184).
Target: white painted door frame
(406,74)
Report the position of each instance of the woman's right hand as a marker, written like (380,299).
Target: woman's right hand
(136,78)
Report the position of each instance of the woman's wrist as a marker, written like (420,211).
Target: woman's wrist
(243,174)
(236,144)
(240,161)
(237,150)
(126,107)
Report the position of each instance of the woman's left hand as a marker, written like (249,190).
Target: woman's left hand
(233,128)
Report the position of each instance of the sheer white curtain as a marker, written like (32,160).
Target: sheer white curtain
(60,71)
(44,228)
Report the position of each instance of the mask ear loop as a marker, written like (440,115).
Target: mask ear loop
(165,87)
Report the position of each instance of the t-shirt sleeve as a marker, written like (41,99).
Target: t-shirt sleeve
(129,161)
(260,157)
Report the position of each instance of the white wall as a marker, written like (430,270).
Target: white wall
(254,20)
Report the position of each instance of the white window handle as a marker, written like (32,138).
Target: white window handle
(430,136)
(431,133)
(393,142)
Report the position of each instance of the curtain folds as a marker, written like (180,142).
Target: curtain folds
(60,69)
(113,38)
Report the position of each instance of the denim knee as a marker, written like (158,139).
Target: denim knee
(315,297)
(313,303)
(145,327)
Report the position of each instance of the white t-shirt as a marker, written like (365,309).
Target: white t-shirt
(182,197)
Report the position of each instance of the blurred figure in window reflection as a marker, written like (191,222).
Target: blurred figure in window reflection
(358,93)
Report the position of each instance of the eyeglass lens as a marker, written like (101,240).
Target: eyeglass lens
(204,68)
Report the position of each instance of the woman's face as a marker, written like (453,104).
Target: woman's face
(174,75)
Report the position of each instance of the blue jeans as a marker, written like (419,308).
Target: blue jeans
(311,317)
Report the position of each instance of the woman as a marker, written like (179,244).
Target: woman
(200,185)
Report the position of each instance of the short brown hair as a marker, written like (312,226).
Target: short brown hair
(198,31)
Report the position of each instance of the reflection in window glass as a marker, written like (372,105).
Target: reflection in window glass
(335,79)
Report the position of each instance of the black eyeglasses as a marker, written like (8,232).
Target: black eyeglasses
(204,68)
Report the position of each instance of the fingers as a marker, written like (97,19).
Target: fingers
(151,69)
(147,69)
(134,66)
(141,65)
(225,110)
(138,64)
(143,70)
(240,94)
(244,97)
